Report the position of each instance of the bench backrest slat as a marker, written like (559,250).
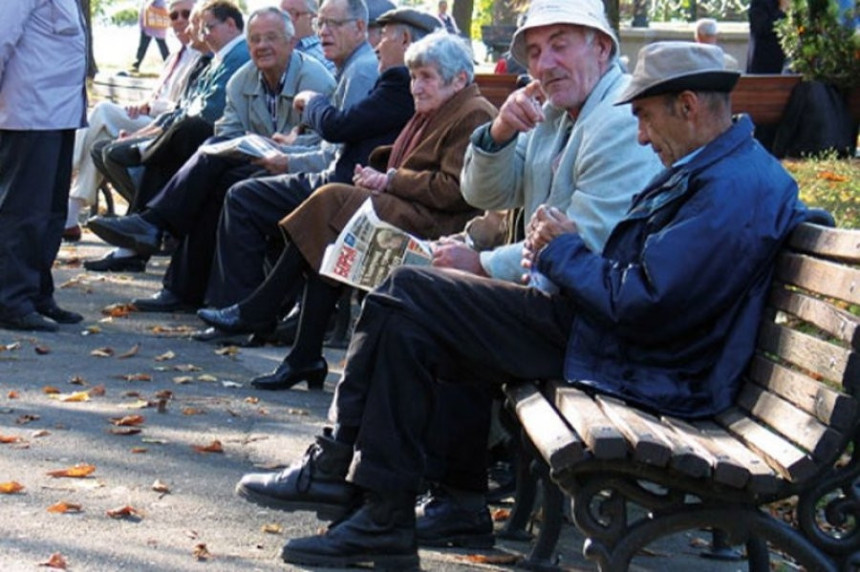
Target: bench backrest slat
(835,321)
(828,405)
(839,243)
(808,352)
(496,87)
(820,276)
(585,416)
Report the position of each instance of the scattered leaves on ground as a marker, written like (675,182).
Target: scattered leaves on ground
(135,377)
(56,560)
(160,486)
(165,356)
(139,404)
(252,399)
(206,377)
(200,552)
(79,471)
(13,395)
(64,507)
(50,390)
(193,411)
(227,351)
(97,390)
(91,330)
(213,447)
(118,310)
(75,397)
(139,450)
(183,379)
(26,418)
(125,431)
(78,380)
(11,488)
(127,420)
(102,352)
(172,330)
(6,439)
(42,350)
(187,367)
(501,514)
(272,528)
(128,512)
(131,352)
(503,559)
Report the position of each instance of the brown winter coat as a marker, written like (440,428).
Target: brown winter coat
(423,197)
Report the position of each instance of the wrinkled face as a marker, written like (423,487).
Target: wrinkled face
(663,126)
(300,15)
(180,14)
(270,48)
(339,34)
(391,47)
(195,32)
(429,90)
(567,64)
(216,33)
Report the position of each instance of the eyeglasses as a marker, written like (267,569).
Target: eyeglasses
(296,14)
(208,27)
(268,38)
(184,13)
(318,23)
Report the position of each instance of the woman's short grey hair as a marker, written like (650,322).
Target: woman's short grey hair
(289,29)
(448,53)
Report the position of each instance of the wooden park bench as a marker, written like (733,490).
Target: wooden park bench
(791,432)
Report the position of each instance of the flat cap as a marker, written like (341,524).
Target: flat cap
(375,9)
(672,67)
(416,18)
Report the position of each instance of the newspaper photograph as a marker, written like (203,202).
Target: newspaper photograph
(250,146)
(368,249)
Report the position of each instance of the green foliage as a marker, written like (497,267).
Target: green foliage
(830,183)
(481,16)
(124,17)
(818,44)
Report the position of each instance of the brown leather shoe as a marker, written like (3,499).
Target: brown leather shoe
(72,233)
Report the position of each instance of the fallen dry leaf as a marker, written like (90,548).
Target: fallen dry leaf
(830,176)
(183,379)
(501,514)
(6,439)
(79,471)
(506,559)
(139,450)
(128,420)
(272,528)
(102,352)
(135,377)
(97,390)
(124,512)
(213,447)
(299,412)
(231,384)
(206,377)
(118,310)
(172,330)
(75,397)
(26,418)
(11,488)
(187,367)
(130,353)
(227,351)
(165,356)
(91,330)
(160,486)
(13,395)
(78,380)
(64,507)
(164,394)
(252,399)
(50,390)
(200,552)
(42,350)
(139,404)
(192,411)
(56,560)
(125,430)
(41,433)
(12,347)
(132,394)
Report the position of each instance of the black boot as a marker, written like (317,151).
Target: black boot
(317,483)
(381,532)
(443,519)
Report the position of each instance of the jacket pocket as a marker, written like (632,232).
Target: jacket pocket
(65,20)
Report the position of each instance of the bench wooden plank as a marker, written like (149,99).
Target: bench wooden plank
(736,465)
(122,89)
(794,424)
(810,353)
(584,415)
(840,243)
(786,459)
(496,87)
(688,455)
(763,96)
(555,441)
(638,427)
(820,276)
(835,321)
(829,406)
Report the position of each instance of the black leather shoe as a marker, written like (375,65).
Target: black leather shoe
(440,521)
(381,532)
(215,336)
(230,320)
(59,315)
(317,483)
(131,232)
(287,376)
(32,322)
(163,301)
(112,263)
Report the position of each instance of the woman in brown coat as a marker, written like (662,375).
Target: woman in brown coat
(414,184)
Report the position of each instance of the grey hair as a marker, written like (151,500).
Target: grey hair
(289,29)
(415,34)
(357,9)
(706,27)
(448,53)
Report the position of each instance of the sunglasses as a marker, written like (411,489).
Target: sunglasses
(178,13)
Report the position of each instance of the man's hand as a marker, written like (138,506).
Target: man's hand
(452,253)
(520,112)
(276,164)
(135,111)
(301,99)
(286,138)
(370,178)
(546,224)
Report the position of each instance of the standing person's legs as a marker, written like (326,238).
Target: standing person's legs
(162,47)
(34,185)
(142,46)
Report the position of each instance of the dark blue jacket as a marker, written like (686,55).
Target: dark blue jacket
(667,316)
(374,121)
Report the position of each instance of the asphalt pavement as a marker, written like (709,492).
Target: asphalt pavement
(165,426)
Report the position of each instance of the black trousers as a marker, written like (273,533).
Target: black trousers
(248,225)
(189,207)
(425,324)
(35,174)
(114,159)
(143,45)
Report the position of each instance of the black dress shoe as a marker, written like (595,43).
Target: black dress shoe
(163,301)
(213,335)
(131,232)
(441,521)
(316,483)
(113,263)
(59,315)
(287,376)
(230,320)
(32,322)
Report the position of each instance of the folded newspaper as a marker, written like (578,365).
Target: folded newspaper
(250,146)
(368,249)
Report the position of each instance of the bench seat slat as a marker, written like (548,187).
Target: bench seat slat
(647,444)
(819,276)
(794,424)
(782,456)
(812,354)
(688,454)
(829,406)
(736,465)
(840,243)
(557,443)
(599,433)
(836,322)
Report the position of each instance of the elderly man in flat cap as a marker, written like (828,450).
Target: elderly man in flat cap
(664,317)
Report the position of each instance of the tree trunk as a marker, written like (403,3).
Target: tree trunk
(86,9)
(462,13)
